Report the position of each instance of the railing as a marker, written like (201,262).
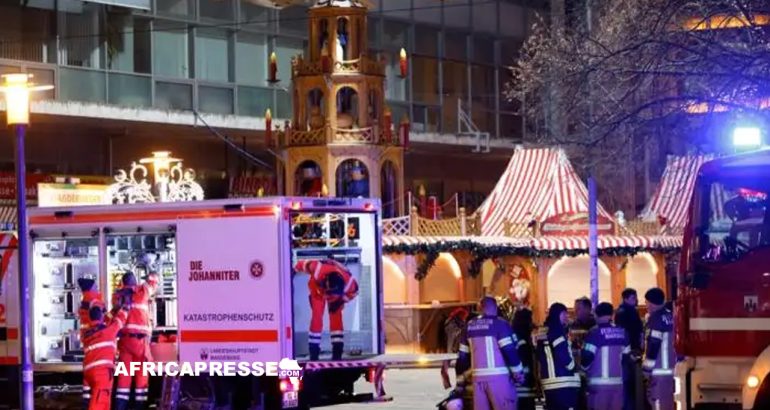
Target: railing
(354,135)
(312,137)
(362,65)
(415,225)
(641,227)
(396,226)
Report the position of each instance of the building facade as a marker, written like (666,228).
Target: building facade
(130,76)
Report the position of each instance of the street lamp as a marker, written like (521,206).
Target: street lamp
(17,88)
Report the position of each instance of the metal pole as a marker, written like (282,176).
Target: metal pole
(593,239)
(27,388)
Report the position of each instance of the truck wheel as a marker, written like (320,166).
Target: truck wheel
(763,395)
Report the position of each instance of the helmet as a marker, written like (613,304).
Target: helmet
(454,404)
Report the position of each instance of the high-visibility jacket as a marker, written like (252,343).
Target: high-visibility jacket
(602,355)
(488,350)
(557,367)
(659,356)
(89,298)
(99,341)
(139,321)
(323,269)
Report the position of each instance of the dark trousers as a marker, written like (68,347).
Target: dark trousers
(526,403)
(561,399)
(633,386)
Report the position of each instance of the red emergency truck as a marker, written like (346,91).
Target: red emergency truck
(723,303)
(228,290)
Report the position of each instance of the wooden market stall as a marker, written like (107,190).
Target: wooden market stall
(528,242)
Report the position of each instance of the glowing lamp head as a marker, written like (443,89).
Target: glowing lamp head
(273,58)
(17,88)
(402,54)
(747,137)
(752,382)
(268,115)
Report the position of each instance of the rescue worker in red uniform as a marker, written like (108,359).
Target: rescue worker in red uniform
(134,342)
(88,295)
(99,347)
(330,283)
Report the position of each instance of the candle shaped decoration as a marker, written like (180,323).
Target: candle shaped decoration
(405,131)
(268,128)
(273,69)
(433,207)
(402,62)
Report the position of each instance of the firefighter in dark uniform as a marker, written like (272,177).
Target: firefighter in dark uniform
(604,347)
(557,367)
(578,329)
(628,318)
(522,327)
(659,356)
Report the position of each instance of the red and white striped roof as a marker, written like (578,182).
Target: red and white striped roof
(672,197)
(537,184)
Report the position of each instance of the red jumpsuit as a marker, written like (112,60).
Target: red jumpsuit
(323,273)
(99,362)
(90,298)
(134,342)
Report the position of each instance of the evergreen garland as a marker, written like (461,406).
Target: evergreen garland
(481,252)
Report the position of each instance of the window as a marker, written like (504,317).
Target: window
(173,96)
(509,50)
(372,28)
(217,9)
(506,76)
(128,43)
(215,100)
(396,87)
(455,87)
(511,126)
(485,17)
(426,41)
(251,59)
(254,16)
(253,101)
(456,13)
(27,34)
(428,11)
(294,20)
(397,8)
(395,35)
(286,49)
(41,76)
(81,44)
(81,85)
(484,50)
(483,90)
(170,56)
(176,7)
(212,55)
(129,90)
(513,20)
(456,46)
(425,75)
(283,105)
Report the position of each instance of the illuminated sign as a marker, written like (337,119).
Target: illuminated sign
(68,195)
